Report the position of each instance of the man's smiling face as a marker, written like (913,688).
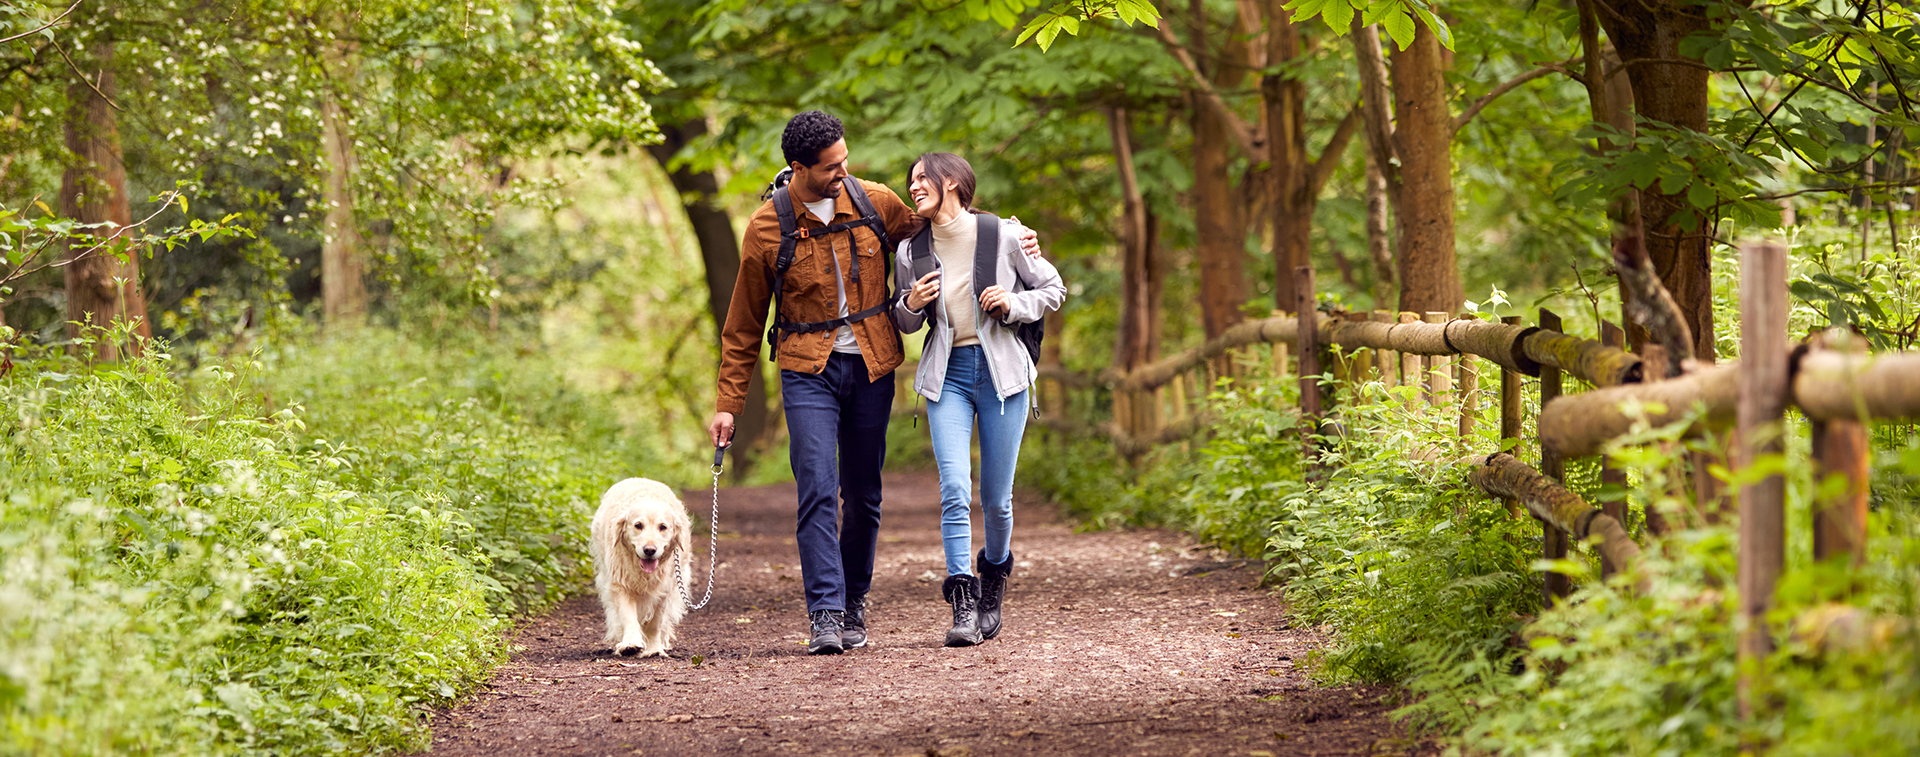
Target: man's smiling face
(822,179)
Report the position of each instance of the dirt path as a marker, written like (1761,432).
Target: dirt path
(1115,643)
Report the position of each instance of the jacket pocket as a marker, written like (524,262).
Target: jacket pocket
(804,276)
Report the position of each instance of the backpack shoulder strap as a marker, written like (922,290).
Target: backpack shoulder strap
(864,206)
(783,207)
(986,253)
(921,245)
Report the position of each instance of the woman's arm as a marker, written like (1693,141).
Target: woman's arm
(1045,290)
(906,319)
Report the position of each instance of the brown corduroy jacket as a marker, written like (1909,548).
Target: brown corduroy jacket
(809,294)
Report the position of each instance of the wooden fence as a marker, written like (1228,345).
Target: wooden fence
(1833,384)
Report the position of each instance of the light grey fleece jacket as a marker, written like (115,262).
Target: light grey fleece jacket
(1036,291)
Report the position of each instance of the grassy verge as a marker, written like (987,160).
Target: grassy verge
(297,554)
(1434,587)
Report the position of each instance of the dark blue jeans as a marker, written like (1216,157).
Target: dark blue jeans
(837,417)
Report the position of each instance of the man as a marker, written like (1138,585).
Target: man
(837,351)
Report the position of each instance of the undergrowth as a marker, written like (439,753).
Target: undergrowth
(295,554)
(1427,584)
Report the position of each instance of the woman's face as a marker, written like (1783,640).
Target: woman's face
(926,195)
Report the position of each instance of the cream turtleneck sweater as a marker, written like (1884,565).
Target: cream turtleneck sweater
(953,243)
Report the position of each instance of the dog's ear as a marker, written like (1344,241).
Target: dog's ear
(682,523)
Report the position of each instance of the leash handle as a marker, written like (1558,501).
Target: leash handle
(719,456)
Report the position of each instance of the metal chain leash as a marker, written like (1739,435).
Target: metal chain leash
(713,540)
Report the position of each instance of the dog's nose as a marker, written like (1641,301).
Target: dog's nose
(649,552)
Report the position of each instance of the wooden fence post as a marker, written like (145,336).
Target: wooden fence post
(1438,369)
(1654,364)
(1309,345)
(1172,398)
(1840,449)
(1387,361)
(1408,363)
(1469,383)
(1349,366)
(1279,353)
(1511,409)
(1554,542)
(1611,475)
(1763,400)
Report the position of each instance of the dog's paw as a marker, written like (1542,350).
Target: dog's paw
(656,652)
(627,650)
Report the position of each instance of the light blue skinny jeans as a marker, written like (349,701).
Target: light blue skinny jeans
(966,395)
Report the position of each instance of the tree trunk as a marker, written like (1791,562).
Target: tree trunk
(343,289)
(1219,229)
(1383,172)
(1645,31)
(720,252)
(1294,198)
(1423,131)
(1379,237)
(103,286)
(1138,339)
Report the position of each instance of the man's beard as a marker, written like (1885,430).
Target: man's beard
(830,190)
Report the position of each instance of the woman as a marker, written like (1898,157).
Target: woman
(974,368)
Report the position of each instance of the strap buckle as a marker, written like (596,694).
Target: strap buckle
(801,233)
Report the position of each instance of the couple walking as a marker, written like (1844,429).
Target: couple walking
(805,251)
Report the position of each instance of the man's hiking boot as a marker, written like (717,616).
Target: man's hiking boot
(853,628)
(826,632)
(993,591)
(963,592)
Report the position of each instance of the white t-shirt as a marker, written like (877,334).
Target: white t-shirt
(843,340)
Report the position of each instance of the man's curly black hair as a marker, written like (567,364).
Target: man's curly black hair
(807,134)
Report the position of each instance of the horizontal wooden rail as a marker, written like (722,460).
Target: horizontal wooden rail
(1828,385)
(1576,425)
(1831,385)
(1126,444)
(1520,348)
(1280,328)
(1501,475)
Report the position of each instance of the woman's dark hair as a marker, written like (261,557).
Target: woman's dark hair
(807,134)
(942,167)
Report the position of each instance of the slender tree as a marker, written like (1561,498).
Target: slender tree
(101,288)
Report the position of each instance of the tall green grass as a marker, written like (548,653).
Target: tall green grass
(294,554)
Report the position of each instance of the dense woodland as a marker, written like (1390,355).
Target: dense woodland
(322,325)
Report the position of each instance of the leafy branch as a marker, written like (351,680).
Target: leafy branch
(24,240)
(1395,16)
(1066,17)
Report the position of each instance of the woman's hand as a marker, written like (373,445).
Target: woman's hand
(996,301)
(923,291)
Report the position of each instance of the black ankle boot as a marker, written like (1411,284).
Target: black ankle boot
(993,591)
(963,592)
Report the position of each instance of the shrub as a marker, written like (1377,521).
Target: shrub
(299,554)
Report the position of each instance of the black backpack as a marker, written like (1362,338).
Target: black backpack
(986,251)
(791,233)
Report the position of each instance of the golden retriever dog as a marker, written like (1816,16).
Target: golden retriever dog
(638,533)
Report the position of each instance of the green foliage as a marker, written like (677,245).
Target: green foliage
(1877,296)
(471,428)
(296,554)
(196,583)
(1429,584)
(1397,17)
